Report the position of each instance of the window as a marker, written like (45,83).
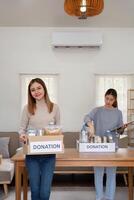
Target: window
(51,82)
(119,82)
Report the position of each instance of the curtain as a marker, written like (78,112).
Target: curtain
(121,83)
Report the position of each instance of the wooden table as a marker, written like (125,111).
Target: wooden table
(72,158)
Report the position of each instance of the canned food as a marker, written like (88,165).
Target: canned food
(104,139)
(31,132)
(40,132)
(110,139)
(97,139)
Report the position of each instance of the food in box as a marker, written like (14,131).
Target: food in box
(48,130)
(97,144)
(46,144)
(56,130)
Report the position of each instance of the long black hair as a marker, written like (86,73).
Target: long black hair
(112,92)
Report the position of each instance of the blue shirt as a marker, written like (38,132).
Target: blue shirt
(104,119)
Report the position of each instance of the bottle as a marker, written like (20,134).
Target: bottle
(83,136)
(117,137)
(51,125)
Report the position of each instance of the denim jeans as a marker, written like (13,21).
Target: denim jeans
(110,182)
(40,171)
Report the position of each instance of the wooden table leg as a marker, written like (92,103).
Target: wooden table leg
(25,185)
(130,183)
(17,182)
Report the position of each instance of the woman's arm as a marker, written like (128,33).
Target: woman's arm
(23,124)
(89,118)
(57,115)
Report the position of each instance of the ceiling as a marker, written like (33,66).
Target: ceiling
(50,13)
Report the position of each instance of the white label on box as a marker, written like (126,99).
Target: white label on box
(46,146)
(96,147)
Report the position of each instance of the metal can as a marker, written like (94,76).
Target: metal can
(40,132)
(32,132)
(97,139)
(104,139)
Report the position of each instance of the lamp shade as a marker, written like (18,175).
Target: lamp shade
(83,8)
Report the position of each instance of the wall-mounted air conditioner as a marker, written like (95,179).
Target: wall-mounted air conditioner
(77,39)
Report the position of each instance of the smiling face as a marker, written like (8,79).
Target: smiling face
(109,101)
(37,91)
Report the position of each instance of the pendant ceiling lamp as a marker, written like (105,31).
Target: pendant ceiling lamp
(83,8)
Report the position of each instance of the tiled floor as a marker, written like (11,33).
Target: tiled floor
(74,193)
(74,187)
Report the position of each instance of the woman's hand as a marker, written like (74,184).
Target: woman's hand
(125,126)
(23,138)
(91,129)
(121,129)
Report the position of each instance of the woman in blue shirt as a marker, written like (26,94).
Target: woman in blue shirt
(105,118)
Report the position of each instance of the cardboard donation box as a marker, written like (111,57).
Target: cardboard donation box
(96,147)
(0,158)
(46,144)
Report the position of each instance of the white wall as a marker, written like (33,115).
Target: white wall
(28,50)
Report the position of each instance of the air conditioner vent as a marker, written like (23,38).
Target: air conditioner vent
(76,39)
